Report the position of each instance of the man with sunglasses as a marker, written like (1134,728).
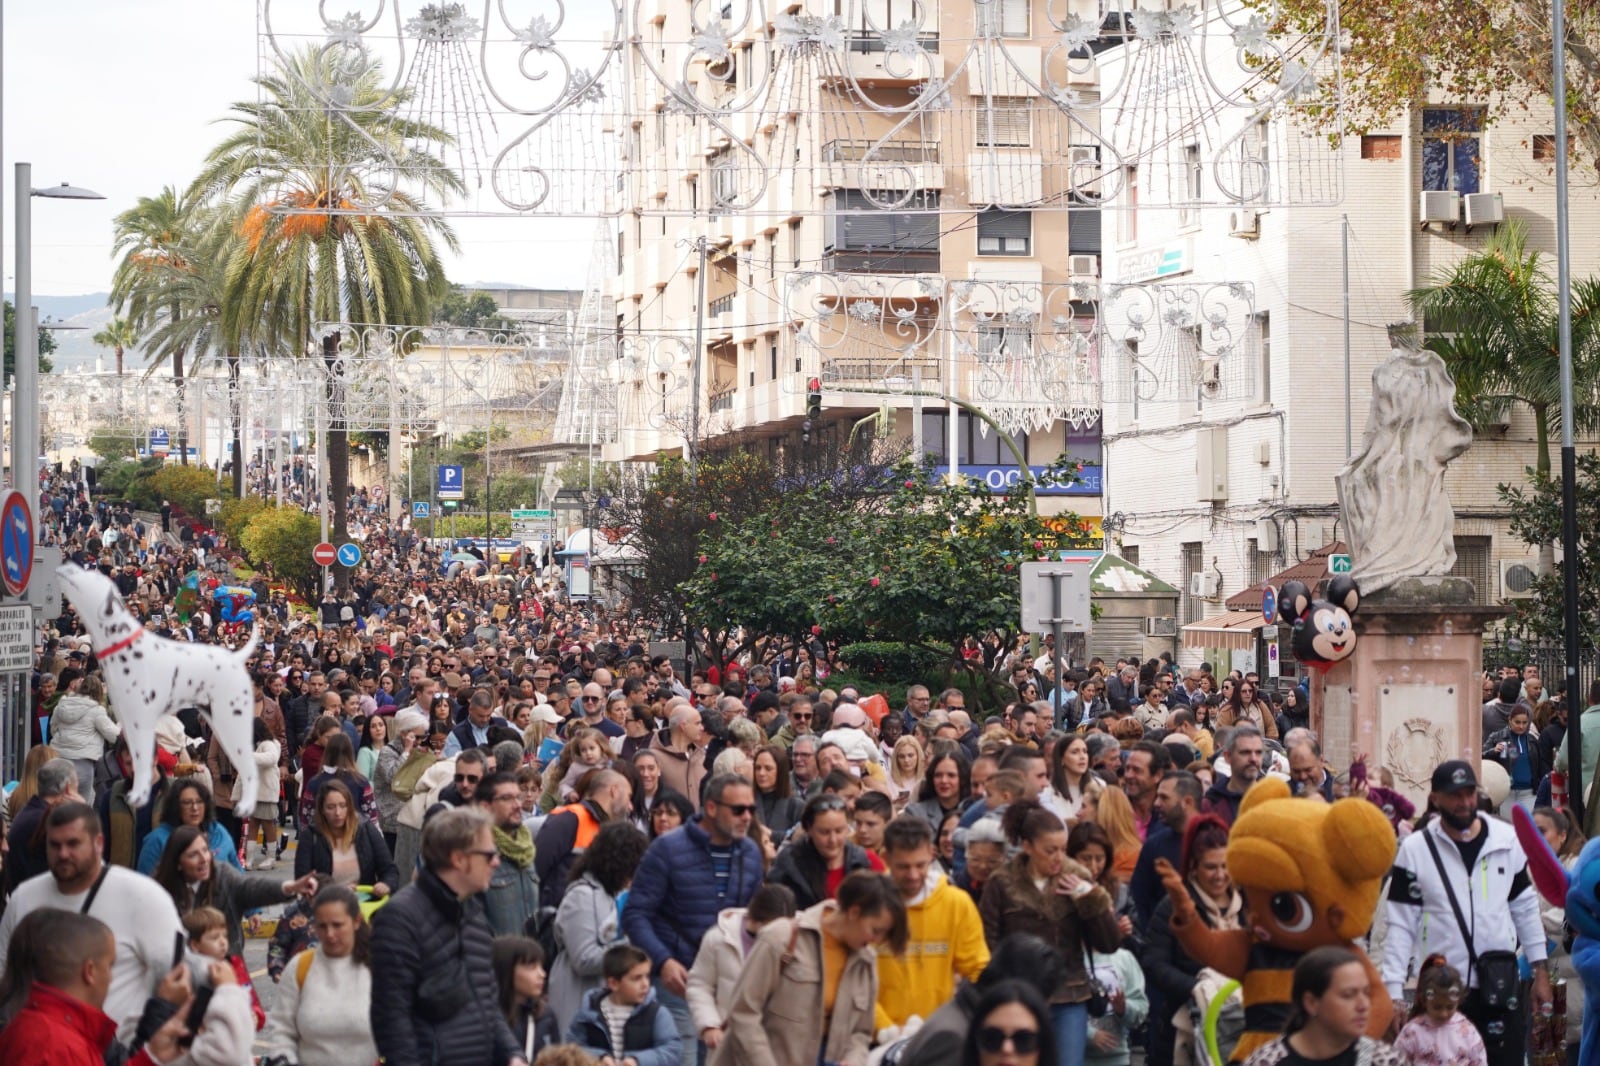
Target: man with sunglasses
(798,723)
(688,877)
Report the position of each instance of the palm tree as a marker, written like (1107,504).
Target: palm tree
(154,241)
(1492,319)
(118,335)
(327,232)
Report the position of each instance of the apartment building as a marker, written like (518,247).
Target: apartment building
(1216,494)
(792,196)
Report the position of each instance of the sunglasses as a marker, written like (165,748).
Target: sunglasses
(740,809)
(467,779)
(993,1040)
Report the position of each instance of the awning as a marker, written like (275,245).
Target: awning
(1235,630)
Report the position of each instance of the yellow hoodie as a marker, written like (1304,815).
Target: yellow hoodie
(946,941)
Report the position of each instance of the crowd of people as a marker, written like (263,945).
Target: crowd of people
(508,834)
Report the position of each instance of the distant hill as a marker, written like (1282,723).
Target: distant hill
(89,313)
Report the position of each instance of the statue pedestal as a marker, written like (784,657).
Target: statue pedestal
(1410,696)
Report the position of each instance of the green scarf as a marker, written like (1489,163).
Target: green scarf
(515,846)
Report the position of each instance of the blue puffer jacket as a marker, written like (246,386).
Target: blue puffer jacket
(674,897)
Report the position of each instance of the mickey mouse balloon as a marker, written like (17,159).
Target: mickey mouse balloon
(1323,633)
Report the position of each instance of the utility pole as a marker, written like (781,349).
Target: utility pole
(692,444)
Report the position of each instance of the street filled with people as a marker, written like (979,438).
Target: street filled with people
(496,824)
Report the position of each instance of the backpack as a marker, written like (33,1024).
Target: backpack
(303,967)
(541,926)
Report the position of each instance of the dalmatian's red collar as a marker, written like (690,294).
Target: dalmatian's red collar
(121,645)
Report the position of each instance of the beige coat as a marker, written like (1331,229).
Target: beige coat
(777,1006)
(714,978)
(681,771)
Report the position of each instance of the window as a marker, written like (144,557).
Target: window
(1083,229)
(1002,232)
(1544,147)
(1264,334)
(1006,124)
(855,223)
(772,360)
(1190,562)
(1193,176)
(1473,563)
(622,249)
(724,179)
(1451,148)
(1130,552)
(1380,146)
(979,445)
(1009,342)
(1008,18)
(794,242)
(1260,563)
(1128,219)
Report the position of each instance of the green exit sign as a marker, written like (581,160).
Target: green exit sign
(525,515)
(452,504)
(1339,564)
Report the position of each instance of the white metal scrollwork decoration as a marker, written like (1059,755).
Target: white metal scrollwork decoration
(729,107)
(1176,341)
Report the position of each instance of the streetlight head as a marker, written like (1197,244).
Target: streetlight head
(67,192)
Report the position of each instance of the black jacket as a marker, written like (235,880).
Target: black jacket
(1169,974)
(799,867)
(426,940)
(313,854)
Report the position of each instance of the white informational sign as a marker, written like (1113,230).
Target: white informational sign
(16,639)
(1041,611)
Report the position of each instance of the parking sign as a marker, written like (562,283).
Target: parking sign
(452,485)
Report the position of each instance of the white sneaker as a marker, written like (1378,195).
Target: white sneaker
(266,862)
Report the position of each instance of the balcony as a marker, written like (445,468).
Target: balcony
(895,166)
(881,261)
(869,66)
(722,305)
(883,372)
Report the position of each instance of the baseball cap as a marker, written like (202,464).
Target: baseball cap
(1454,775)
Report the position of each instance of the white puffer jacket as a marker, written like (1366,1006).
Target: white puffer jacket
(267,775)
(81,728)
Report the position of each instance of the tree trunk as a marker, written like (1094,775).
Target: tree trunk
(118,350)
(233,421)
(338,486)
(181,384)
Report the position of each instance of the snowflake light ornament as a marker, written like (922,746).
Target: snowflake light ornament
(1252,34)
(796,32)
(442,22)
(539,34)
(1077,34)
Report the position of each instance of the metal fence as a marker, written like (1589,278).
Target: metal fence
(1549,656)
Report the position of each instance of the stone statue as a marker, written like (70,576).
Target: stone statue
(1399,519)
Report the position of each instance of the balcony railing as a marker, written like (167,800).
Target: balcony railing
(881,261)
(723,400)
(849,151)
(868,43)
(722,305)
(887,372)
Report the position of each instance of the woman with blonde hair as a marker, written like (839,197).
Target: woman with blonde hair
(1115,815)
(28,783)
(907,765)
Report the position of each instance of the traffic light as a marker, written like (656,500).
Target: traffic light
(813,409)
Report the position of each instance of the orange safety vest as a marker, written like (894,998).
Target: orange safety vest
(588,824)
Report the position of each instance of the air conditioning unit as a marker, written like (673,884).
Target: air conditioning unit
(1266,535)
(1517,577)
(1161,627)
(1211,464)
(1083,266)
(1440,205)
(1244,223)
(1483,209)
(1207,584)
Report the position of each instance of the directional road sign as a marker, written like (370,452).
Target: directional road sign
(525,514)
(419,509)
(452,485)
(349,554)
(1339,564)
(324,555)
(16,542)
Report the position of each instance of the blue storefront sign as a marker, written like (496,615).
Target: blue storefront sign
(1001,478)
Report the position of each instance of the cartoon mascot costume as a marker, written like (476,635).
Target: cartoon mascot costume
(1310,874)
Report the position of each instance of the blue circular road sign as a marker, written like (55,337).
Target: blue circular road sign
(1269,604)
(349,554)
(16,542)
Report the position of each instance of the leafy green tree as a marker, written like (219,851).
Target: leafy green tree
(284,537)
(1495,51)
(119,335)
(918,562)
(1536,519)
(473,310)
(335,225)
(188,488)
(115,440)
(238,513)
(1492,319)
(47,344)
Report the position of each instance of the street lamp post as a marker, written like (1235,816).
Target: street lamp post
(25,408)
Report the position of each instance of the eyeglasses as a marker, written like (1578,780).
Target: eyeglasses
(739,809)
(592,699)
(992,1039)
(467,779)
(491,855)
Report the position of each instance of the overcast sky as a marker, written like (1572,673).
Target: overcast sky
(122,97)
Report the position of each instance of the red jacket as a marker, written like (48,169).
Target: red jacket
(53,1029)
